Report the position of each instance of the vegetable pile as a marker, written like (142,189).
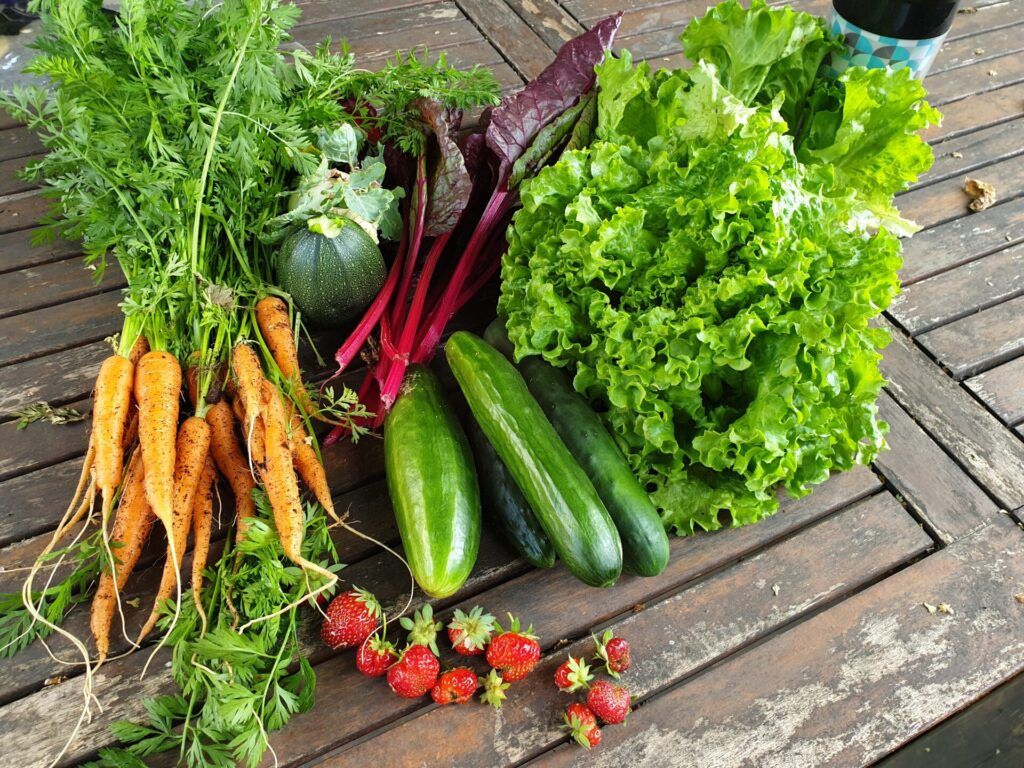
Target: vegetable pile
(176,132)
(708,267)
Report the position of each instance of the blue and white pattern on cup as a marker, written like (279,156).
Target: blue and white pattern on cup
(866,49)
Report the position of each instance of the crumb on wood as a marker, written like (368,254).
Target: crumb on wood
(992,73)
(967,9)
(775,589)
(639,607)
(979,51)
(946,608)
(982,193)
(135,602)
(55,680)
(1019,597)
(929,607)
(957,155)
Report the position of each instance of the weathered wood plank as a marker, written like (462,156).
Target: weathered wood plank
(318,10)
(1002,390)
(54,283)
(32,502)
(560,607)
(974,437)
(960,156)
(962,240)
(56,378)
(936,489)
(983,46)
(979,341)
(705,622)
(979,77)
(18,252)
(850,684)
(946,200)
(22,211)
(10,182)
(549,20)
(988,734)
(44,330)
(951,295)
(521,46)
(976,111)
(41,445)
(18,142)
(320,20)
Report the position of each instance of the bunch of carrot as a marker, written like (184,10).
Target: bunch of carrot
(158,469)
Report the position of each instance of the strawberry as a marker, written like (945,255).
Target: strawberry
(614,652)
(572,675)
(582,725)
(494,689)
(513,653)
(351,618)
(375,655)
(414,673)
(456,686)
(422,628)
(470,633)
(609,702)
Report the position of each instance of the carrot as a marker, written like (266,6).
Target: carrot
(157,390)
(109,416)
(254,437)
(276,329)
(132,525)
(308,465)
(231,462)
(246,367)
(192,448)
(202,524)
(192,384)
(139,348)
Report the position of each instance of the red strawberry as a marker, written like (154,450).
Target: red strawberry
(414,673)
(470,632)
(456,686)
(351,618)
(609,702)
(494,689)
(582,725)
(422,628)
(614,652)
(375,655)
(513,653)
(572,675)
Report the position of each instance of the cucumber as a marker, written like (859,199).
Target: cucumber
(505,505)
(645,545)
(433,485)
(557,489)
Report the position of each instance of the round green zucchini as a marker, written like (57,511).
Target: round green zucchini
(557,489)
(433,486)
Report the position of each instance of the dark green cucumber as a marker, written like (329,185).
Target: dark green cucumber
(504,504)
(645,545)
(433,486)
(557,489)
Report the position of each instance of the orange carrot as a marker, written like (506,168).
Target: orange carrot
(249,375)
(139,348)
(192,448)
(202,525)
(231,462)
(132,524)
(109,417)
(308,465)
(254,437)
(279,479)
(276,329)
(157,390)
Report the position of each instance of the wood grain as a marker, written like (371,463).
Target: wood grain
(705,622)
(961,155)
(41,445)
(951,295)
(18,252)
(54,283)
(521,46)
(993,456)
(552,23)
(979,341)
(962,240)
(1002,390)
(56,378)
(850,684)
(930,482)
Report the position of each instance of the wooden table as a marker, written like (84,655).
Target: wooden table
(801,641)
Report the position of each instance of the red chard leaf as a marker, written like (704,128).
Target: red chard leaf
(450,185)
(520,117)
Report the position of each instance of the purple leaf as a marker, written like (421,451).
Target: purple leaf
(450,184)
(519,117)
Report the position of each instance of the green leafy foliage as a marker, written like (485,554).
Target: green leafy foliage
(235,687)
(709,278)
